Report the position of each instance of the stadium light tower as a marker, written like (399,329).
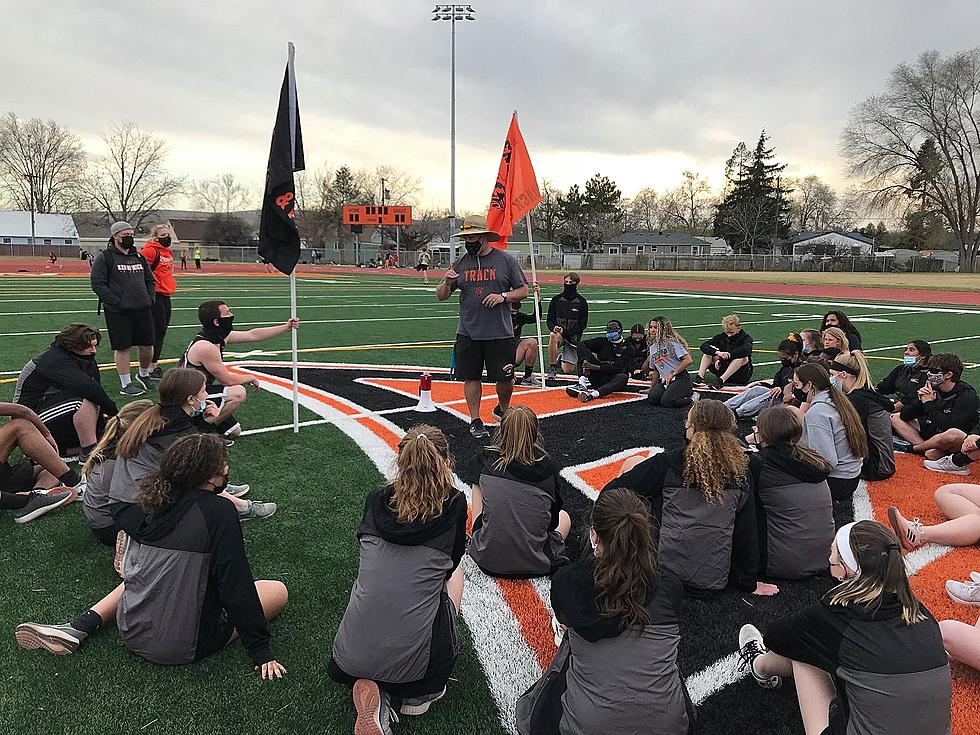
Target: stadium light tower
(453,13)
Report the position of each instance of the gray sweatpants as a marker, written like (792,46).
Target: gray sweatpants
(751,401)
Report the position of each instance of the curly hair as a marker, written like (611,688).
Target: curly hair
(713,459)
(186,466)
(76,337)
(423,480)
(665,333)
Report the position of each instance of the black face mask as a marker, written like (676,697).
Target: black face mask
(473,248)
(570,290)
(787,363)
(127,241)
(800,395)
(220,332)
(224,484)
(165,241)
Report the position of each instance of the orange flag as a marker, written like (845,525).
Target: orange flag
(516,191)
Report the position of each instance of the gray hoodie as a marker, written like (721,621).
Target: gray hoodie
(823,432)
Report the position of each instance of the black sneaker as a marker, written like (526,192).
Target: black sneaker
(478,430)
(900,445)
(697,379)
(58,639)
(374,713)
(750,647)
(718,384)
(497,412)
(38,504)
(132,390)
(157,373)
(140,381)
(573,390)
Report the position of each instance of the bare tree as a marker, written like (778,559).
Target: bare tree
(426,224)
(815,205)
(546,217)
(222,194)
(935,99)
(749,221)
(401,188)
(644,212)
(41,164)
(131,182)
(689,206)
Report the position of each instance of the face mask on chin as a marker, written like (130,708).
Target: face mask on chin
(909,360)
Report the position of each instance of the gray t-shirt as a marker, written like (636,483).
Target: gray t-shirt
(666,357)
(479,276)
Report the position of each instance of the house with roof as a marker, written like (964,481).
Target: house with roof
(834,243)
(655,242)
(50,230)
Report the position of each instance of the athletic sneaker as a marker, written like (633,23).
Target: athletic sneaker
(478,430)
(149,381)
(140,381)
(698,379)
(39,503)
(975,576)
(58,639)
(965,593)
(553,371)
(909,532)
(573,390)
(900,445)
(420,705)
(945,465)
(531,380)
(238,491)
(718,384)
(374,713)
(587,395)
(256,509)
(497,412)
(750,647)
(132,390)
(157,373)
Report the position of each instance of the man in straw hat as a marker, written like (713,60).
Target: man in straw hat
(486,278)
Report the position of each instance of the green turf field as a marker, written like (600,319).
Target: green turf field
(52,568)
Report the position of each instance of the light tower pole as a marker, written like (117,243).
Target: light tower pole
(453,13)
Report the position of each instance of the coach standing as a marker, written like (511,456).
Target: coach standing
(487,279)
(160,258)
(123,281)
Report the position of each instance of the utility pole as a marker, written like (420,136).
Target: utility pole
(30,184)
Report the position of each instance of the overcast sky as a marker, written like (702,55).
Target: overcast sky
(638,91)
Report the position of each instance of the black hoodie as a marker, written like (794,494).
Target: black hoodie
(956,409)
(738,344)
(57,369)
(123,281)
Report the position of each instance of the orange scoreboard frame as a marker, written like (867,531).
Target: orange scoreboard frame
(373,214)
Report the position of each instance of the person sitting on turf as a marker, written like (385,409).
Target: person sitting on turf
(618,616)
(728,355)
(850,374)
(958,462)
(962,640)
(943,413)
(760,394)
(667,362)
(205,353)
(97,471)
(641,351)
(568,317)
(63,386)
(605,364)
(398,636)
(811,342)
(868,657)
(832,428)
(188,589)
(703,500)
(519,528)
(960,502)
(834,343)
(794,510)
(26,487)
(527,348)
(138,454)
(905,380)
(839,320)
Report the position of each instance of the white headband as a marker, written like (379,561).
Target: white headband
(844,549)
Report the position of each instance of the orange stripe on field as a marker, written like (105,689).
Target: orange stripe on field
(303,391)
(599,477)
(532,617)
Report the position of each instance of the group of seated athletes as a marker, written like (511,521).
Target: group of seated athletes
(723,511)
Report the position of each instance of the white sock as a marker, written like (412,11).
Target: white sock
(594,393)
(125,380)
(144,372)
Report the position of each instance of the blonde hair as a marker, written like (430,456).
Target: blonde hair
(423,479)
(154,231)
(713,459)
(731,319)
(839,335)
(665,333)
(177,384)
(857,361)
(518,439)
(114,429)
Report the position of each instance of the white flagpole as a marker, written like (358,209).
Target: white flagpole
(292,276)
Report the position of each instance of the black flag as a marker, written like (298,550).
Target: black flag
(278,236)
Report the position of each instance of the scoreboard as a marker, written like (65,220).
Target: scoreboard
(372,214)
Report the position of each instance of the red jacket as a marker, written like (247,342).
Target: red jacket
(161,260)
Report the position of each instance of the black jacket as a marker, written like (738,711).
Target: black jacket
(123,281)
(903,382)
(521,319)
(957,409)
(59,370)
(738,344)
(572,315)
(614,357)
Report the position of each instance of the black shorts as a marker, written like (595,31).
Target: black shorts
(129,328)
(497,355)
(16,478)
(57,412)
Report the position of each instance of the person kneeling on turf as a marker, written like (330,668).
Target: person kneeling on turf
(728,355)
(187,588)
(617,617)
(605,364)
(868,657)
(519,528)
(205,353)
(398,636)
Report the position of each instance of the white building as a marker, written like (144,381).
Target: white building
(49,229)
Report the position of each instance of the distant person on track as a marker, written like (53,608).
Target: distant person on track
(124,283)
(197,257)
(486,278)
(423,258)
(183,259)
(160,258)
(728,355)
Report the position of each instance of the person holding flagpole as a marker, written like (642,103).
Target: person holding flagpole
(486,278)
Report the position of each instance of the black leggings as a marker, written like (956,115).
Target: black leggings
(106,536)
(842,488)
(607,384)
(161,320)
(676,395)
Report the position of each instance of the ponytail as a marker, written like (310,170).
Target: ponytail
(625,573)
(114,429)
(423,480)
(136,435)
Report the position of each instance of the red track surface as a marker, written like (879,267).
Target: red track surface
(29,266)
